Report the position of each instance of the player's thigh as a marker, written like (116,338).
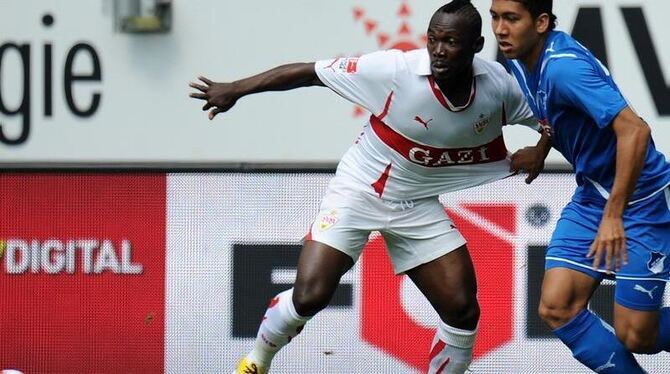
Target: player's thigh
(448,279)
(319,261)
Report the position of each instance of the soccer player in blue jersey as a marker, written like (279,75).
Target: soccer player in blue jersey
(618,221)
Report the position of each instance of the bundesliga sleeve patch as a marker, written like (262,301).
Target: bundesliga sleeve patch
(349,65)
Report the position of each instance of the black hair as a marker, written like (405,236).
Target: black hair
(465,9)
(538,7)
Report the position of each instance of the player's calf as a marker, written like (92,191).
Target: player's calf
(280,324)
(451,351)
(593,343)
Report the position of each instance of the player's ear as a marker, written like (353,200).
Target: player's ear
(478,44)
(542,23)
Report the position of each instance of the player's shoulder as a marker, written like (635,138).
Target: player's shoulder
(414,58)
(567,69)
(492,72)
(394,57)
(412,55)
(483,66)
(565,57)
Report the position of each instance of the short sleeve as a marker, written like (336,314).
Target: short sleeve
(516,106)
(576,82)
(366,80)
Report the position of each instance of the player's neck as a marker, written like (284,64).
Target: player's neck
(530,60)
(457,89)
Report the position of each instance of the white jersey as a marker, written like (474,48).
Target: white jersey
(416,143)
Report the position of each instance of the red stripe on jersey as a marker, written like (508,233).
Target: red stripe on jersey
(386,106)
(437,348)
(428,156)
(443,100)
(309,233)
(381,182)
(443,366)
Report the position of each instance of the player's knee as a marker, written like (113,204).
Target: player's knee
(637,341)
(461,312)
(312,296)
(556,315)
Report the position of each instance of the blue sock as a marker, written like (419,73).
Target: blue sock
(593,343)
(663,339)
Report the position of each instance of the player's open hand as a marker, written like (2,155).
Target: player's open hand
(530,160)
(610,242)
(219,97)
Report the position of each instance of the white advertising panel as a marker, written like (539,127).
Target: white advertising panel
(233,242)
(74,90)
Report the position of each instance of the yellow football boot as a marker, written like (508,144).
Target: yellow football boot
(247,367)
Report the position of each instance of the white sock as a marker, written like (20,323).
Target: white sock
(451,351)
(280,324)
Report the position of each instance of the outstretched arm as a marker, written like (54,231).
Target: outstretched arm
(632,135)
(220,97)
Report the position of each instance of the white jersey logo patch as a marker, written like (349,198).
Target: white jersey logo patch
(327,221)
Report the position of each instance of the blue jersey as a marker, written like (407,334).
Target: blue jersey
(574,95)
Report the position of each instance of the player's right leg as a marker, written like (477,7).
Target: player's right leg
(640,320)
(320,268)
(334,243)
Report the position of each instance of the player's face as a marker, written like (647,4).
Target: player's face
(514,28)
(451,45)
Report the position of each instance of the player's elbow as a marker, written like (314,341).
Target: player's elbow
(641,130)
(630,125)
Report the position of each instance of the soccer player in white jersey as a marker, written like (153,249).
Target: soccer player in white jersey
(435,127)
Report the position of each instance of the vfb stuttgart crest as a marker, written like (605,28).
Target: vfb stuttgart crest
(481,124)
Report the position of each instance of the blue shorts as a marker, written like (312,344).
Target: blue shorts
(640,284)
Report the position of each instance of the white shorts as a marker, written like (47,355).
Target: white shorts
(415,232)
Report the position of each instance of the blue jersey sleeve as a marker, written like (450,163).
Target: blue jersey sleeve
(590,89)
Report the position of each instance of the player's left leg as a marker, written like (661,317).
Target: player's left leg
(424,243)
(449,283)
